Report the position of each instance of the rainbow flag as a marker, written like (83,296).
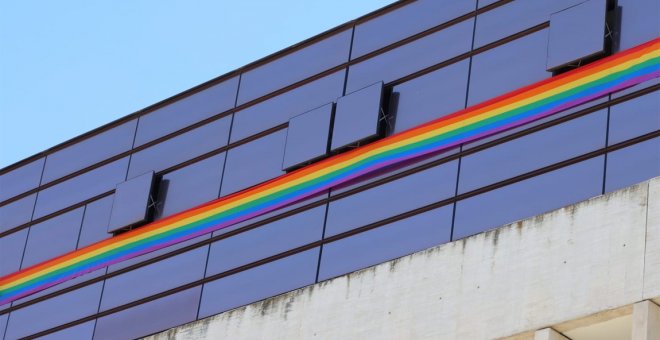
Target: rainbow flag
(508,111)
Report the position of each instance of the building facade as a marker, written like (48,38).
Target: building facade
(352,88)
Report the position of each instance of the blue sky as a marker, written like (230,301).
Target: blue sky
(67,67)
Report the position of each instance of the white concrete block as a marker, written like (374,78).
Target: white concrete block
(646,321)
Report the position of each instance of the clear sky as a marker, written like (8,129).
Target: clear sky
(67,67)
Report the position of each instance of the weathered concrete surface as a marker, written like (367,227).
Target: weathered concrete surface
(564,265)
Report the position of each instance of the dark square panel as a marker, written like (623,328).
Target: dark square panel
(188,187)
(187,111)
(21,179)
(16,213)
(53,312)
(259,283)
(95,221)
(536,150)
(181,148)
(386,242)
(80,332)
(634,118)
(80,188)
(529,197)
(393,198)
(430,96)
(151,317)
(267,240)
(11,251)
(634,164)
(412,57)
(576,33)
(637,23)
(89,151)
(403,22)
(295,66)
(254,162)
(154,278)
(53,237)
(131,203)
(357,117)
(307,137)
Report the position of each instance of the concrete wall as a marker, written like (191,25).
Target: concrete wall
(591,257)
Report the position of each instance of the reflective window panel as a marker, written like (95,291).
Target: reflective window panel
(307,137)
(95,222)
(528,198)
(430,96)
(295,66)
(181,148)
(254,162)
(151,317)
(637,23)
(266,240)
(187,111)
(188,187)
(131,201)
(21,179)
(258,283)
(393,198)
(633,164)
(3,323)
(533,151)
(412,57)
(53,237)
(89,151)
(357,116)
(11,251)
(16,213)
(634,118)
(413,18)
(387,242)
(82,331)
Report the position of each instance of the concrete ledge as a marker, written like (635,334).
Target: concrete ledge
(584,259)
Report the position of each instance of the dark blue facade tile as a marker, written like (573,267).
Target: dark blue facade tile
(529,197)
(187,111)
(633,164)
(89,151)
(539,149)
(637,23)
(307,137)
(267,240)
(17,213)
(181,148)
(11,251)
(21,179)
(95,222)
(634,118)
(53,237)
(357,117)
(387,242)
(258,283)
(403,22)
(154,316)
(393,198)
(80,188)
(131,201)
(412,57)
(296,66)
(3,323)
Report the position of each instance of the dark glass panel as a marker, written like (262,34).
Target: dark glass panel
(80,332)
(61,286)
(430,96)
(294,67)
(53,312)
(393,198)
(386,243)
(267,240)
(253,162)
(3,323)
(11,251)
(403,22)
(16,213)
(20,180)
(151,317)
(131,202)
(528,198)
(279,109)
(307,136)
(633,164)
(634,118)
(637,23)
(80,188)
(95,222)
(187,111)
(533,151)
(412,57)
(154,278)
(53,237)
(181,148)
(190,186)
(258,283)
(508,67)
(357,116)
(89,151)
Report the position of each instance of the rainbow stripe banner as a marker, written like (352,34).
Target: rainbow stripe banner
(514,109)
